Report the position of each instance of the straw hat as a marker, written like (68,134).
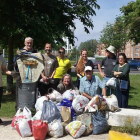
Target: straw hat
(111,49)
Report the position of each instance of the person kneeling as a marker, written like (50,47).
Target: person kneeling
(90,84)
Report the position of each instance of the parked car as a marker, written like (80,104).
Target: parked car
(134,64)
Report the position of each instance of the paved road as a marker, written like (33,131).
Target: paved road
(132,71)
(6,133)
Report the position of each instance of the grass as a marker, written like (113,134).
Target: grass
(8,101)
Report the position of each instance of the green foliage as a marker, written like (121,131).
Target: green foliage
(90,46)
(115,34)
(45,21)
(132,19)
(73,54)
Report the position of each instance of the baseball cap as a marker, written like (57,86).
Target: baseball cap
(88,68)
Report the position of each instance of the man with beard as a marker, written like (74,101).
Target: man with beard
(50,65)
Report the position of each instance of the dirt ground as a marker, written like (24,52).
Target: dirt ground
(6,133)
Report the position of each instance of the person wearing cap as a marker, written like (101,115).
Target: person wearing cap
(90,84)
(108,62)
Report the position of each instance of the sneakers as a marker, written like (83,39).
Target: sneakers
(1,122)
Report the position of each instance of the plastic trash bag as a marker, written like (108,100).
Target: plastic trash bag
(111,82)
(113,135)
(50,112)
(86,119)
(95,104)
(27,113)
(40,129)
(39,103)
(37,116)
(18,115)
(79,103)
(55,95)
(55,129)
(24,127)
(70,94)
(100,124)
(112,102)
(68,103)
(76,128)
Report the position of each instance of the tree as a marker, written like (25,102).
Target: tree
(132,20)
(115,34)
(45,21)
(90,46)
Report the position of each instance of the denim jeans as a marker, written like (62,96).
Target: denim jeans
(109,90)
(122,97)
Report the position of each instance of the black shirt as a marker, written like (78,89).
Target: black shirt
(108,63)
(89,63)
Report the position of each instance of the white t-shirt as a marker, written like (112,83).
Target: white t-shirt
(2,63)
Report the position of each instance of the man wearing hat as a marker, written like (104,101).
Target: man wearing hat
(90,84)
(108,62)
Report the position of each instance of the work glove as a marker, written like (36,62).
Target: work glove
(15,75)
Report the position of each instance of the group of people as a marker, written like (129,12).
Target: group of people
(56,73)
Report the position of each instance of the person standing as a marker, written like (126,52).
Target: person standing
(109,63)
(82,62)
(50,65)
(5,71)
(64,67)
(90,84)
(121,72)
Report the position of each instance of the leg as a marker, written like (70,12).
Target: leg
(56,82)
(119,95)
(1,94)
(125,95)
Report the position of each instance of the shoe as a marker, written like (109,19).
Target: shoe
(1,122)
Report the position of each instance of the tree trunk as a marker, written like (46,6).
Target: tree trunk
(10,64)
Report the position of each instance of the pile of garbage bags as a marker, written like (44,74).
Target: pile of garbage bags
(70,113)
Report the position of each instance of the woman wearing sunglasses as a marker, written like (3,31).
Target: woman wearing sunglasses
(64,67)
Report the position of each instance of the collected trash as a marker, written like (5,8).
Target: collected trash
(76,129)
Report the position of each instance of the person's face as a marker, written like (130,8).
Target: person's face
(88,74)
(121,60)
(48,48)
(108,53)
(61,53)
(28,44)
(66,80)
(84,55)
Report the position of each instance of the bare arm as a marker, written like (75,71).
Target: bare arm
(104,91)
(4,70)
(100,70)
(86,95)
(53,74)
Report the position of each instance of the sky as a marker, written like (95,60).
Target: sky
(108,11)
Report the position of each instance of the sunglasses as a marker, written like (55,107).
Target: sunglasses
(61,52)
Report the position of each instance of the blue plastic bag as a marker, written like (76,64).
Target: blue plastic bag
(100,124)
(68,103)
(50,112)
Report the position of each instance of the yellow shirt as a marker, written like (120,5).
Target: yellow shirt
(64,65)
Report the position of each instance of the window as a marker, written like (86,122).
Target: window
(136,54)
(137,49)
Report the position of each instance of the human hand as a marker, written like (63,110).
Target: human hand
(102,74)
(15,75)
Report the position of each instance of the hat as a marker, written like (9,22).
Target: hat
(111,49)
(88,68)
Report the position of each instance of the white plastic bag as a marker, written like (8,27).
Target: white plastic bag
(55,129)
(112,102)
(111,82)
(27,113)
(39,103)
(55,95)
(18,115)
(76,128)
(24,127)
(37,116)
(79,103)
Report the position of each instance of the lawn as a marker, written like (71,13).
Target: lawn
(8,101)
